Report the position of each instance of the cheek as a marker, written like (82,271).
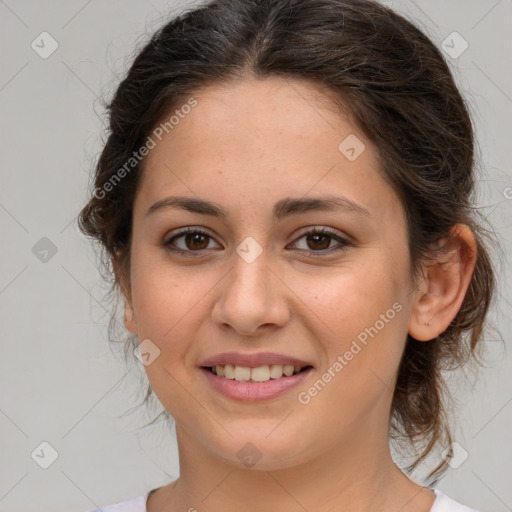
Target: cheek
(161,307)
(354,298)
(167,306)
(365,313)
(162,294)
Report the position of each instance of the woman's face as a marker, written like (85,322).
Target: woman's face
(259,280)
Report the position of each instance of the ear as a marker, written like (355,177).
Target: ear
(129,315)
(443,287)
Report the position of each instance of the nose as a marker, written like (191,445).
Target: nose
(252,298)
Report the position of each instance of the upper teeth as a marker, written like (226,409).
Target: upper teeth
(258,374)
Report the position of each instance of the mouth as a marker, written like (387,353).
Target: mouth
(251,377)
(248,384)
(262,373)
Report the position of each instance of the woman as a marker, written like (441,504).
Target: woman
(285,198)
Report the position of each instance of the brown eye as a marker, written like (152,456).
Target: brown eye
(195,241)
(192,240)
(319,240)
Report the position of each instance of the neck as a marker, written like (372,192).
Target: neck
(343,478)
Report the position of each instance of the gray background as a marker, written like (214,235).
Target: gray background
(60,382)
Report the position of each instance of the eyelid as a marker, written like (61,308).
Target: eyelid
(344,242)
(319,228)
(184,231)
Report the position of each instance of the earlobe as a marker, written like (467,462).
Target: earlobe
(442,290)
(129,317)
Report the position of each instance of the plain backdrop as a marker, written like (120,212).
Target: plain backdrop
(62,390)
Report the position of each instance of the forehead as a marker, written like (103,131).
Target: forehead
(248,141)
(247,113)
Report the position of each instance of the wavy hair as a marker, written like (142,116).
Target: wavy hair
(398,89)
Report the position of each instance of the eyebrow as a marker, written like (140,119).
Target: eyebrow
(283,208)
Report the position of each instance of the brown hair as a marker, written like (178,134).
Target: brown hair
(397,88)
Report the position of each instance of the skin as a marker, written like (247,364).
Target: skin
(245,146)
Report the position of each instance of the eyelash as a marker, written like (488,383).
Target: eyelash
(344,243)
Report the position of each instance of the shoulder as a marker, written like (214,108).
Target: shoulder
(444,503)
(137,504)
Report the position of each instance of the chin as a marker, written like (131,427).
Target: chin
(260,452)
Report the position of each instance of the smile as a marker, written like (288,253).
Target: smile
(259,374)
(246,384)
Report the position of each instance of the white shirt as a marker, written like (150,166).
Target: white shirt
(442,503)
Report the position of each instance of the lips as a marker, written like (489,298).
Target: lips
(253,360)
(249,391)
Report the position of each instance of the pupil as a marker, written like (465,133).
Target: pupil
(316,236)
(194,237)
